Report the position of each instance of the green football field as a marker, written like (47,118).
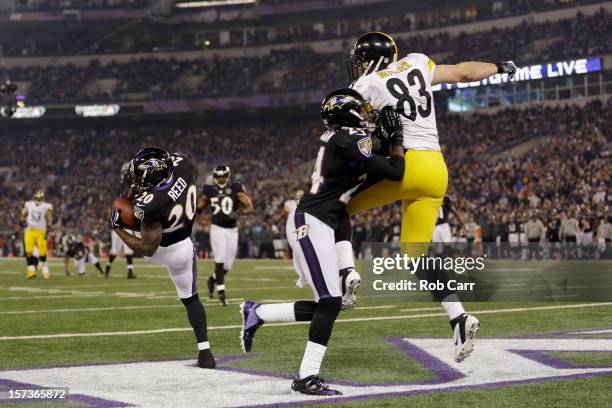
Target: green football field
(385,352)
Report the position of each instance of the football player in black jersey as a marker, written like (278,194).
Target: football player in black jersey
(228,201)
(165,204)
(344,161)
(75,248)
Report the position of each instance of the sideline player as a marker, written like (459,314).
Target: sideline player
(36,217)
(345,160)
(406,87)
(117,245)
(228,202)
(165,203)
(75,248)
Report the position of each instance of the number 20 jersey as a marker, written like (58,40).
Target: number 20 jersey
(224,202)
(172,204)
(406,85)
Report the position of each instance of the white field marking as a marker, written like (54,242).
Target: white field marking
(604,331)
(421,309)
(88,309)
(352,320)
(373,307)
(273,268)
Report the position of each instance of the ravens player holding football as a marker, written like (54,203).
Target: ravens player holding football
(228,201)
(344,161)
(165,204)
(405,86)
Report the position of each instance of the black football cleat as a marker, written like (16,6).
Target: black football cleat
(107,269)
(313,385)
(250,323)
(206,359)
(222,299)
(131,275)
(211,287)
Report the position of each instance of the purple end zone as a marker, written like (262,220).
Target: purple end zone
(443,372)
(91,402)
(544,357)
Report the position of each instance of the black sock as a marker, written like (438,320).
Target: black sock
(98,267)
(196,316)
(220,277)
(42,258)
(304,310)
(31,260)
(130,262)
(435,275)
(111,258)
(323,320)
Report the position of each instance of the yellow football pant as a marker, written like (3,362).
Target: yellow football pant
(421,192)
(35,237)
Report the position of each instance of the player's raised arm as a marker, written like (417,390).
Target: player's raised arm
(470,71)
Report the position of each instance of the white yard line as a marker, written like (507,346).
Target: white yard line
(88,309)
(356,319)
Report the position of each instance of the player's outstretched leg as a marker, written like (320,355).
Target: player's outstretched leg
(254,315)
(130,266)
(197,319)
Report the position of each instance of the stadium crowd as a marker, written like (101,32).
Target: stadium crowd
(299,68)
(564,173)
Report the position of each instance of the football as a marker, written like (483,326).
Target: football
(126,214)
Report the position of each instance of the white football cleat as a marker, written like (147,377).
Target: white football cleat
(464,335)
(351,281)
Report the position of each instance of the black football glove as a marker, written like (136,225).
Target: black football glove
(115,220)
(507,67)
(389,122)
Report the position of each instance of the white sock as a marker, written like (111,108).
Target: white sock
(277,312)
(45,267)
(31,268)
(203,345)
(344,251)
(313,357)
(452,306)
(220,287)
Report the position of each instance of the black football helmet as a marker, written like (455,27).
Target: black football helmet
(371,52)
(347,108)
(152,166)
(221,175)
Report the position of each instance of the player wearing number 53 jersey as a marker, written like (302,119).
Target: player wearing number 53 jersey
(36,218)
(228,201)
(406,86)
(165,203)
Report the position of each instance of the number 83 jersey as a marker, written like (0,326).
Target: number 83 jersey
(224,203)
(172,204)
(406,85)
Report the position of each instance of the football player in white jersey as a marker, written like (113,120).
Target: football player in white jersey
(36,217)
(405,86)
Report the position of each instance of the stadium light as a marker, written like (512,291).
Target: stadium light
(211,3)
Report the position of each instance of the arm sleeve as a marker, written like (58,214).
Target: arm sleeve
(239,188)
(391,168)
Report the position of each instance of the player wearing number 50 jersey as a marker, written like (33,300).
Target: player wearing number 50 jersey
(228,201)
(406,86)
(165,203)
